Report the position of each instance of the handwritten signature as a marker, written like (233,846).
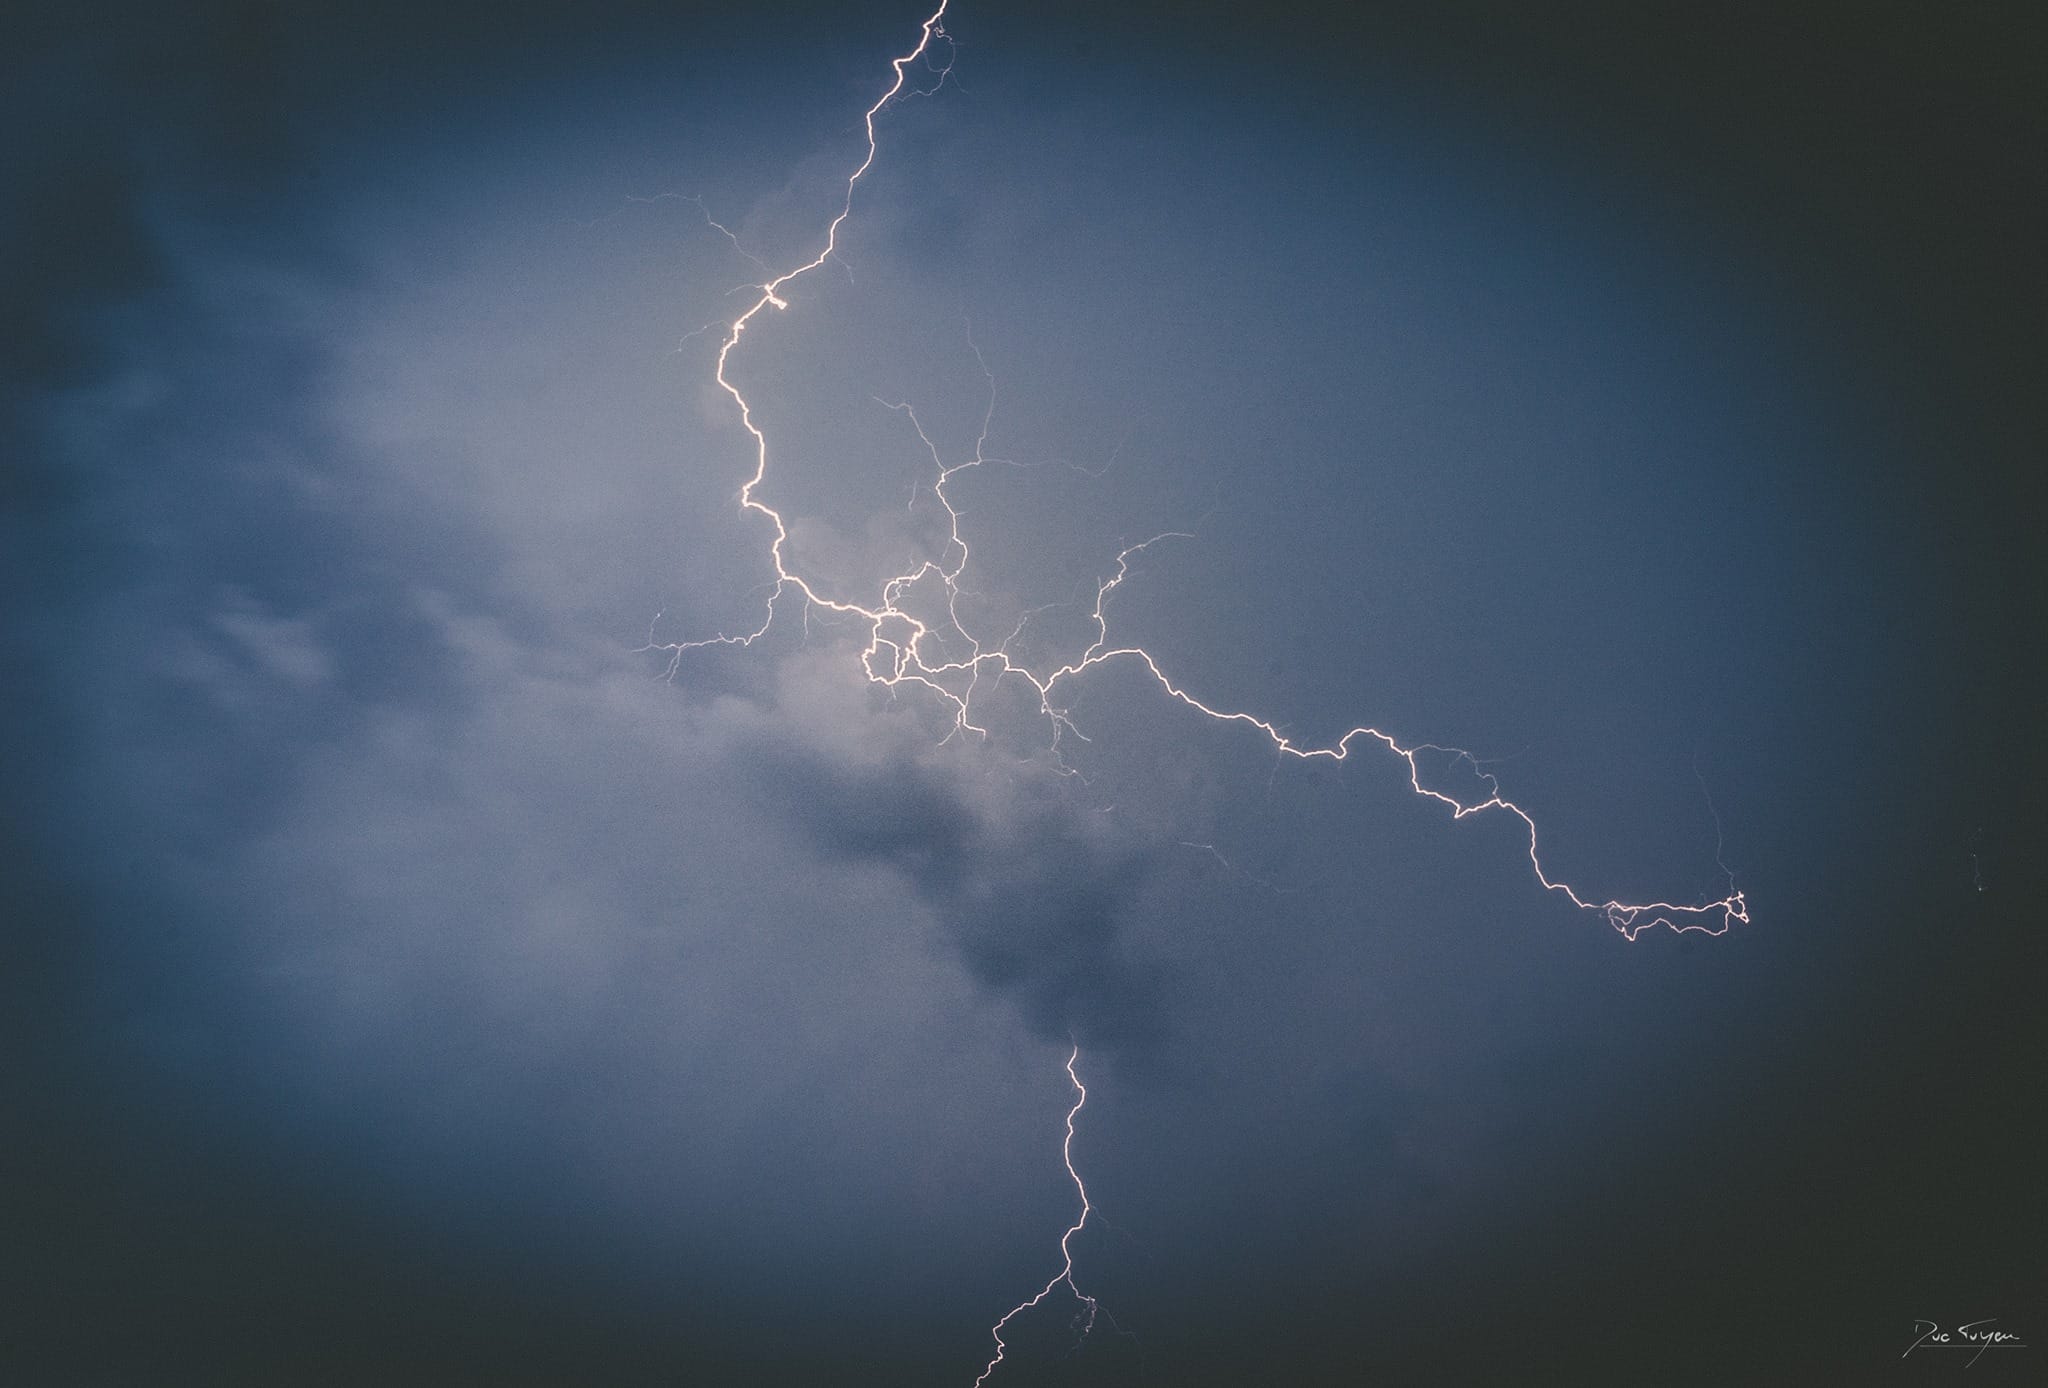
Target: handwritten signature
(1970,1336)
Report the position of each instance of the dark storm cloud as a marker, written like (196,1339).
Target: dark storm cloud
(1031,894)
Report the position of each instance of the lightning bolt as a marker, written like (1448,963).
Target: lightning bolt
(904,648)
(953,664)
(1086,1320)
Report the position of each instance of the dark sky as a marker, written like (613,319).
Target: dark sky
(404,981)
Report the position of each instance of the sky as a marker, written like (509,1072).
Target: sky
(413,970)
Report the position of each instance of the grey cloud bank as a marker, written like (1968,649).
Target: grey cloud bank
(405,982)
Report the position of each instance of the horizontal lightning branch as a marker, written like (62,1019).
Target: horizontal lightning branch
(906,649)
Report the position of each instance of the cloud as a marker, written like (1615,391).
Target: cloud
(356,850)
(388,859)
(1031,884)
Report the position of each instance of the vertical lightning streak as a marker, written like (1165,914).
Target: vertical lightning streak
(1066,1272)
(901,645)
(784,577)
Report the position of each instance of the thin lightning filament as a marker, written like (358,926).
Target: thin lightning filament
(1086,1321)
